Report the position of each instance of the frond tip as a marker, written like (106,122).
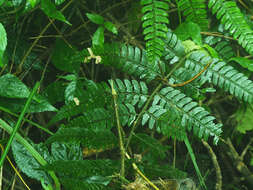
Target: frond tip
(155,18)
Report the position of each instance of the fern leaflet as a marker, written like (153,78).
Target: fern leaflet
(234,21)
(222,75)
(181,114)
(195,11)
(155,18)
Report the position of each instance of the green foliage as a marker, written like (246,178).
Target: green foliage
(111,85)
(27,163)
(63,57)
(233,20)
(50,10)
(181,111)
(189,30)
(174,49)
(244,62)
(222,75)
(155,20)
(12,87)
(98,36)
(3,43)
(195,11)
(90,174)
(90,138)
(221,46)
(132,92)
(244,119)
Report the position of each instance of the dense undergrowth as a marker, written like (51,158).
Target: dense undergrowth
(150,94)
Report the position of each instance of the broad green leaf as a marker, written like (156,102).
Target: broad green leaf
(70,92)
(63,57)
(55,92)
(189,30)
(95,18)
(58,2)
(190,46)
(251,161)
(3,43)
(27,163)
(12,87)
(3,38)
(16,105)
(66,151)
(211,51)
(244,120)
(33,2)
(3,58)
(244,62)
(99,180)
(70,77)
(1,2)
(50,10)
(98,37)
(110,26)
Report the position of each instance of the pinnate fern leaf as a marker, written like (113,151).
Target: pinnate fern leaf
(155,18)
(222,47)
(127,114)
(183,113)
(195,11)
(174,48)
(233,20)
(131,60)
(222,75)
(132,92)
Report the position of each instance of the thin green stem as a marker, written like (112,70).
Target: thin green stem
(121,144)
(31,150)
(27,120)
(193,158)
(21,116)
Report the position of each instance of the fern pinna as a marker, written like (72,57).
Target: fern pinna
(233,20)
(195,11)
(155,20)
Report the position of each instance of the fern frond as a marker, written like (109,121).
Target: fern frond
(90,138)
(195,11)
(222,47)
(233,20)
(182,113)
(222,75)
(94,92)
(183,74)
(155,18)
(132,92)
(131,60)
(174,48)
(127,114)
